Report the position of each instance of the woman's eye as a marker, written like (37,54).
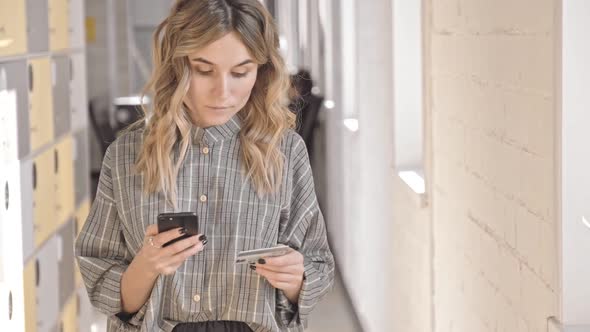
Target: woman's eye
(204,72)
(239,75)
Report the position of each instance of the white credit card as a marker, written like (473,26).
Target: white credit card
(251,256)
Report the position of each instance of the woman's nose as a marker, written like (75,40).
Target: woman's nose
(221,89)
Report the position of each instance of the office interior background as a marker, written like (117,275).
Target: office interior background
(449,153)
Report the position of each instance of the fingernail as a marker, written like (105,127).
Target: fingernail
(182,231)
(203,238)
(253,267)
(205,241)
(261,261)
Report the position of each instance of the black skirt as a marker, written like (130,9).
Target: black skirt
(213,326)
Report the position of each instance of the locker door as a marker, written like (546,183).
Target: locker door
(58,25)
(69,322)
(13,77)
(38,26)
(8,125)
(81,168)
(30,279)
(61,95)
(13,28)
(78,92)
(43,196)
(79,220)
(64,176)
(77,31)
(40,102)
(66,263)
(47,289)
(16,210)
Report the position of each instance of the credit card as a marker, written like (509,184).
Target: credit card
(251,256)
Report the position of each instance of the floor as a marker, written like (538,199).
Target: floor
(334,313)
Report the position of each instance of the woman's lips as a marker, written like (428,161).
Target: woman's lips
(219,107)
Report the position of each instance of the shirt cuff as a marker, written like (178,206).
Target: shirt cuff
(134,319)
(295,314)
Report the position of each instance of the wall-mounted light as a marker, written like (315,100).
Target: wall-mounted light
(414,180)
(585,222)
(352,124)
(329,104)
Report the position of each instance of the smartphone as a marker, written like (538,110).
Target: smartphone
(252,256)
(188,220)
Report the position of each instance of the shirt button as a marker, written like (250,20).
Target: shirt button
(205,150)
(203,198)
(197,298)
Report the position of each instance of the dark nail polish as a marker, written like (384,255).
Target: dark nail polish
(182,231)
(261,261)
(203,238)
(205,241)
(253,267)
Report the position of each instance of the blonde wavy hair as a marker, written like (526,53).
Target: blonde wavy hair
(191,25)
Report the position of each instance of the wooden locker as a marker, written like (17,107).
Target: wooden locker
(44,216)
(69,315)
(77,24)
(78,92)
(58,25)
(60,66)
(14,122)
(66,259)
(30,279)
(16,208)
(79,220)
(13,27)
(47,285)
(64,180)
(37,26)
(40,102)
(82,167)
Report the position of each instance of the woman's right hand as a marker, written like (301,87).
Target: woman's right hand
(155,259)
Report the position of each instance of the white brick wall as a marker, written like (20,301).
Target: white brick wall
(492,189)
(492,95)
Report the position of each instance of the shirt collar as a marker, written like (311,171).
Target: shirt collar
(213,134)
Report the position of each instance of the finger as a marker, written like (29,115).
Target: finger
(168,236)
(180,257)
(151,230)
(292,258)
(293,269)
(275,276)
(182,245)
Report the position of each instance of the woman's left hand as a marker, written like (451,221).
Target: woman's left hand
(284,273)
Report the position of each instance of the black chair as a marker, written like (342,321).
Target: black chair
(306,106)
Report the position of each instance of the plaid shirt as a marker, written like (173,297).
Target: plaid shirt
(209,285)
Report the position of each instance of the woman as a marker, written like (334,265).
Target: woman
(218,142)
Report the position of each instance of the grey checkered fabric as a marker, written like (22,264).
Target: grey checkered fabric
(232,216)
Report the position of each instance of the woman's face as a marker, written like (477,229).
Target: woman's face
(223,75)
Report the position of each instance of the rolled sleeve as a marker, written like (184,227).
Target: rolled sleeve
(102,253)
(305,230)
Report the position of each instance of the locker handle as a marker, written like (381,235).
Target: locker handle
(34,176)
(71,69)
(31,78)
(56,161)
(53,73)
(37,273)
(10,305)
(6,195)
